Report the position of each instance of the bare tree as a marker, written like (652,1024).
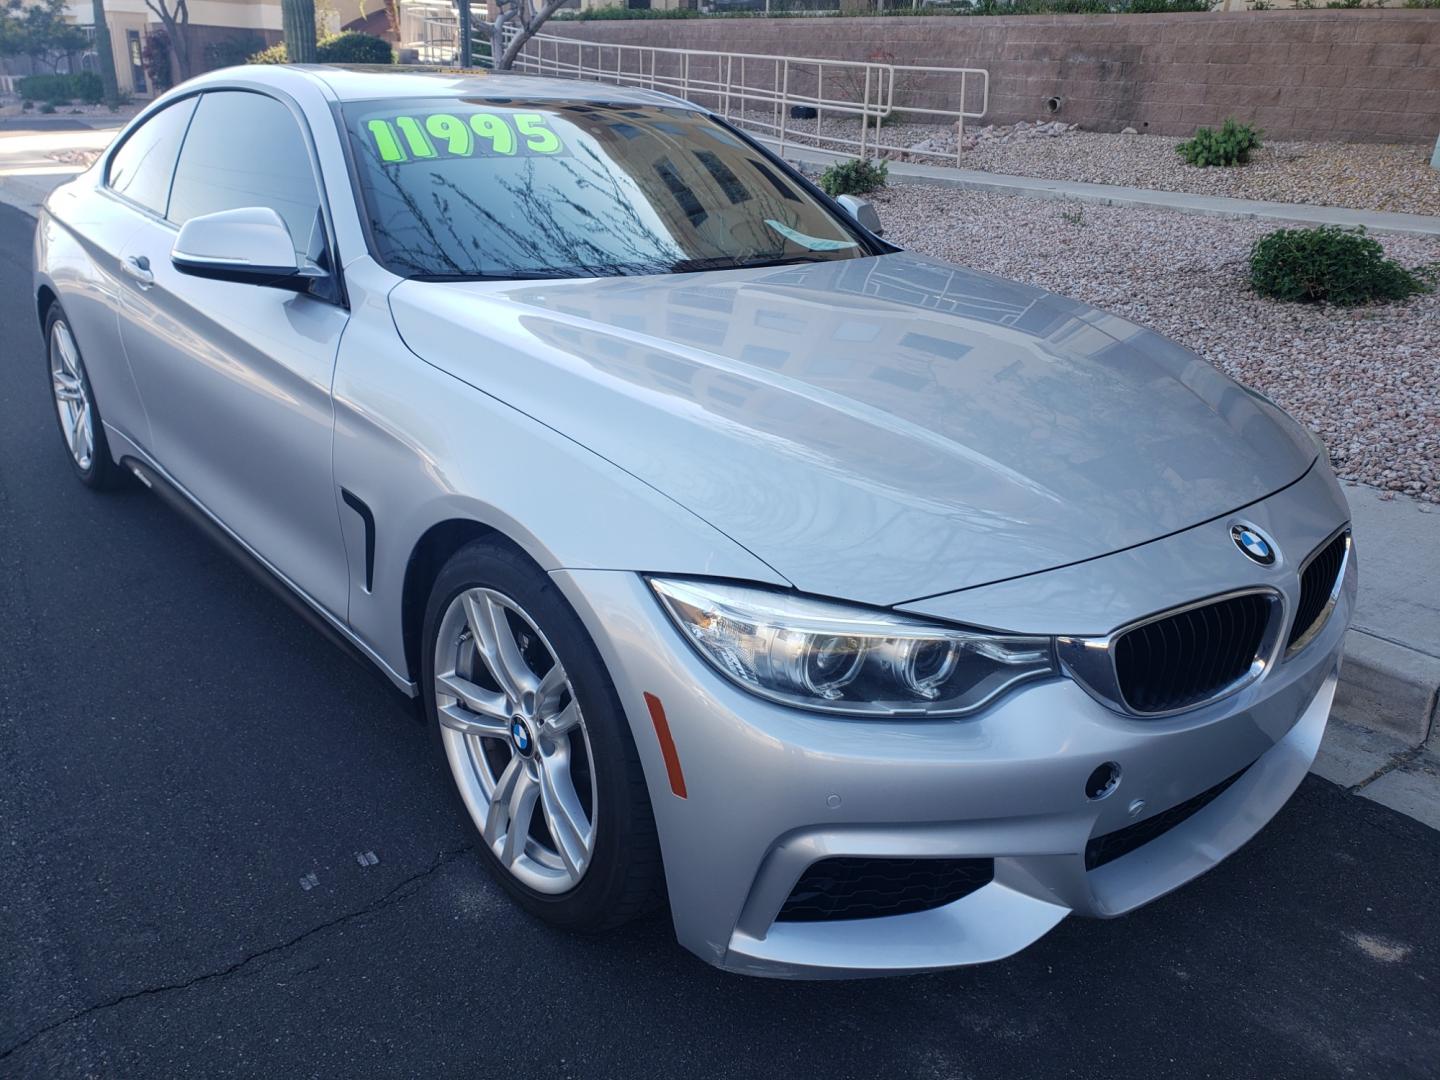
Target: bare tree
(174,15)
(524,15)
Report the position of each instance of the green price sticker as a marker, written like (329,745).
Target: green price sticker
(399,139)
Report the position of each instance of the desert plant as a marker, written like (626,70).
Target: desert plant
(1231,145)
(854,177)
(47,107)
(1329,264)
(298,19)
(232,50)
(349,47)
(275,54)
(353,47)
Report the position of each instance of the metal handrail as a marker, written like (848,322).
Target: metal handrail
(731,82)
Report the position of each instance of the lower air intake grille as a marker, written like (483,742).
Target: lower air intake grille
(1193,655)
(860,888)
(1111,846)
(1317,582)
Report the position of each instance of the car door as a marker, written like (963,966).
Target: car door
(236,378)
(83,254)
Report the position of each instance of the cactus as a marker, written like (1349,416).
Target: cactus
(298,18)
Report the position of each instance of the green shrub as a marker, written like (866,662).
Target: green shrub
(1329,264)
(275,54)
(230,51)
(47,107)
(84,86)
(347,47)
(353,47)
(1231,145)
(854,177)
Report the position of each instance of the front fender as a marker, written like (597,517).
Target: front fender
(419,447)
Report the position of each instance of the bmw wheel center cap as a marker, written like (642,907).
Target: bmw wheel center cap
(1253,545)
(521,737)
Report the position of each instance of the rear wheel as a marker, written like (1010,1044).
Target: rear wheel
(536,742)
(75,406)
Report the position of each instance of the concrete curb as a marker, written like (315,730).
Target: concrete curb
(1391,688)
(1113,195)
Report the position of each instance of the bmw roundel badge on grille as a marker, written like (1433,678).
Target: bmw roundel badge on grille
(1255,547)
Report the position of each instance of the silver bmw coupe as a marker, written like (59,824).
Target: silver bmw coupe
(872,612)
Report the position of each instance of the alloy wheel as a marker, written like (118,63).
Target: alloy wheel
(72,396)
(516,740)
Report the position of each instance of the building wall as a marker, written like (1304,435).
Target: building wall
(1360,75)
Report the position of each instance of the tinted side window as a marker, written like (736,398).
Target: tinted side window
(141,169)
(245,150)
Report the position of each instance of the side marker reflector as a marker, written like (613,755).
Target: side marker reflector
(667,744)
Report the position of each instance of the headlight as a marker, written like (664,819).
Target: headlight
(836,658)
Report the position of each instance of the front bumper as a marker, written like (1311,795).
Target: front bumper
(770,790)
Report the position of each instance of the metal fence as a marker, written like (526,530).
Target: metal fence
(787,98)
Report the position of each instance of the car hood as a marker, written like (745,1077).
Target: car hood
(879,429)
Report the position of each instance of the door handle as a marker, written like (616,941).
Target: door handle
(138,267)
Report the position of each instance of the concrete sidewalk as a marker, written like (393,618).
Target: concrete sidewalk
(28,173)
(1383,742)
(1114,195)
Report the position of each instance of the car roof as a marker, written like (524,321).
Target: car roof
(368,84)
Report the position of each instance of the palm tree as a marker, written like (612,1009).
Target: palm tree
(104,54)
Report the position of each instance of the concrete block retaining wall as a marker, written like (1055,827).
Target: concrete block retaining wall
(1354,75)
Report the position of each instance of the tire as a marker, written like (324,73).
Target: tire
(77,413)
(607,871)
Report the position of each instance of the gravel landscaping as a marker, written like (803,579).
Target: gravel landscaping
(1364,176)
(1367,379)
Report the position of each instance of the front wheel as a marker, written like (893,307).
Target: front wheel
(537,743)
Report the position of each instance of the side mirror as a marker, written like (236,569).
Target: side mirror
(864,213)
(250,245)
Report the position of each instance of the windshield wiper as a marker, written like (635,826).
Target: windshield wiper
(512,275)
(732,262)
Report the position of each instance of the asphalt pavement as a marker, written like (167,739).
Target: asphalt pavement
(192,783)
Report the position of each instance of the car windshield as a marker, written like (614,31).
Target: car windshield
(474,188)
